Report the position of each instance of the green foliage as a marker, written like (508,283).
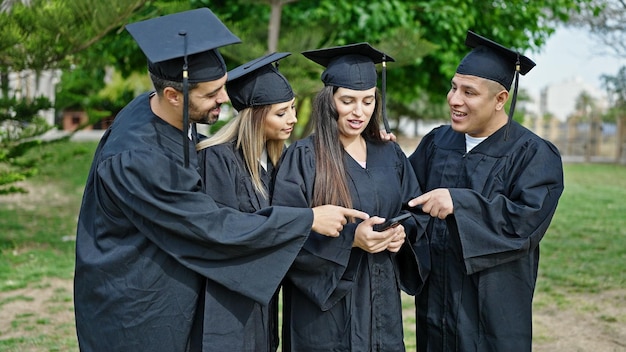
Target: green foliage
(425,37)
(13,167)
(83,86)
(85,89)
(77,86)
(19,124)
(23,110)
(42,34)
(117,48)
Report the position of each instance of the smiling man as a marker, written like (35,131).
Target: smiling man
(492,187)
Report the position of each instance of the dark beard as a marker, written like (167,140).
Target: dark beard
(205,118)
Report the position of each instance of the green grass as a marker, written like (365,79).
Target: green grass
(36,240)
(585,247)
(583,252)
(36,243)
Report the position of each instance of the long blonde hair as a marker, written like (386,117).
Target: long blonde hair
(247,130)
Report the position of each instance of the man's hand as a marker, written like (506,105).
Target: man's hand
(328,220)
(387,136)
(373,241)
(437,203)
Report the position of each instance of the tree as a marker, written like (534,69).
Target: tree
(38,35)
(274,25)
(616,89)
(45,34)
(310,25)
(586,111)
(425,37)
(606,21)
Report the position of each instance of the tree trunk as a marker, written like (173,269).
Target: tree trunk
(619,140)
(274,27)
(4,84)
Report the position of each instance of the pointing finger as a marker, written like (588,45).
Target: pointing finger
(356,214)
(418,201)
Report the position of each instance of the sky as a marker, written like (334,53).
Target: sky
(570,54)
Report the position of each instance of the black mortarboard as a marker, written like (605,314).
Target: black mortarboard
(258,83)
(182,47)
(195,34)
(352,66)
(349,66)
(494,62)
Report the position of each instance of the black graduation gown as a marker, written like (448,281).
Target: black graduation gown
(148,235)
(485,256)
(233,322)
(339,298)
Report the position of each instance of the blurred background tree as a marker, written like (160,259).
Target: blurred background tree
(615,87)
(103,67)
(35,36)
(606,21)
(425,37)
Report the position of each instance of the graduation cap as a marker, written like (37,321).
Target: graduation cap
(182,47)
(258,83)
(494,62)
(352,66)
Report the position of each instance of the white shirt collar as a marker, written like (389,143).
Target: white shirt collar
(471,142)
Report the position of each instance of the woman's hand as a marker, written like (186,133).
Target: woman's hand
(373,241)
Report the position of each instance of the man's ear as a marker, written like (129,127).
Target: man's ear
(174,97)
(501,99)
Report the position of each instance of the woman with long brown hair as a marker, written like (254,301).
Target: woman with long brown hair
(343,294)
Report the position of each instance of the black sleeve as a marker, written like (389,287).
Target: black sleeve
(505,227)
(223,244)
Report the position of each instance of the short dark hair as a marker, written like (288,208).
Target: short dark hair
(160,84)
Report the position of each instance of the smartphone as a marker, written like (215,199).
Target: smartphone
(393,222)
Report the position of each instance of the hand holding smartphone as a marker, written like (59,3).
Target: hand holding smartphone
(393,222)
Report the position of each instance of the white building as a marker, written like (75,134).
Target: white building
(30,84)
(559,99)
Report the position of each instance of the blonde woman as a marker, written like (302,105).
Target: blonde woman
(237,164)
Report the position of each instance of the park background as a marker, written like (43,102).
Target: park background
(67,67)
